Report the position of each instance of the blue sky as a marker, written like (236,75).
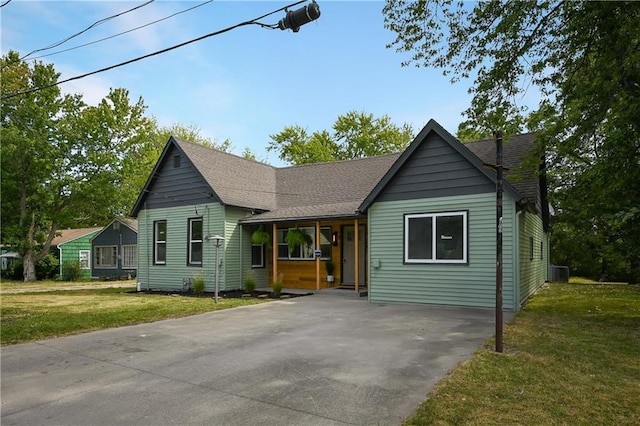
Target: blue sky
(248,83)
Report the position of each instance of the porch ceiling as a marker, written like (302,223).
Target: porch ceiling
(346,210)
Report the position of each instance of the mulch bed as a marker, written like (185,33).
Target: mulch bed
(231,294)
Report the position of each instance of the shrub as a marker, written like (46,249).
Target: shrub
(198,284)
(47,268)
(249,284)
(277,288)
(71,271)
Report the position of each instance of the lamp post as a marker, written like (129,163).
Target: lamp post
(218,241)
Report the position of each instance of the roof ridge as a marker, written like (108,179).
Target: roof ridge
(491,139)
(294,166)
(211,148)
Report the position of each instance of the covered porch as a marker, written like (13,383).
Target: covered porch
(307,266)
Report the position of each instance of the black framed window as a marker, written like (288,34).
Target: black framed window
(257,255)
(530,248)
(195,242)
(435,237)
(305,251)
(160,242)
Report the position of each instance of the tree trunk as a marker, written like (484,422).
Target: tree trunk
(29,267)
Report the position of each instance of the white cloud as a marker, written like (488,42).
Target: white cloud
(93,88)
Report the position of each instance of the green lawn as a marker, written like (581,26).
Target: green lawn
(571,356)
(37,315)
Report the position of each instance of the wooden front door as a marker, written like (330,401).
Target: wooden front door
(349,255)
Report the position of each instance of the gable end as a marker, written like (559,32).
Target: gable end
(175,181)
(435,170)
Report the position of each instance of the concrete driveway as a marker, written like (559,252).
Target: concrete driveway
(325,359)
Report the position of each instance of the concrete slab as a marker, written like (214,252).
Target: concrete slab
(316,360)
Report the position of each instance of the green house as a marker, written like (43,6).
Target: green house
(74,245)
(412,227)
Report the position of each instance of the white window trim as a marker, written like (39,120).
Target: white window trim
(262,256)
(434,216)
(87,256)
(156,242)
(190,242)
(114,252)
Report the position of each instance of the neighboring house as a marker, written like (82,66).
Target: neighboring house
(74,245)
(416,227)
(115,250)
(8,257)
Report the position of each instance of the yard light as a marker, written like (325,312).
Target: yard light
(297,18)
(218,241)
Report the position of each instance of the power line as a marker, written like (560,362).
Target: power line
(158,52)
(5,3)
(95,24)
(124,32)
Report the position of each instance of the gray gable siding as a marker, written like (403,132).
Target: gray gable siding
(177,186)
(435,170)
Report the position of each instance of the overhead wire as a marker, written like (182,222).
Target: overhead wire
(124,32)
(95,24)
(5,3)
(158,52)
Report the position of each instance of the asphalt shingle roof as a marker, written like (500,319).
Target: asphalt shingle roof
(324,190)
(514,152)
(67,235)
(235,180)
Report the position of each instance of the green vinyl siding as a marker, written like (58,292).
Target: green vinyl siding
(170,276)
(533,272)
(237,259)
(471,284)
(260,275)
(70,252)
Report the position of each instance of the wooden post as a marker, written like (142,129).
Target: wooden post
(498,139)
(274,254)
(317,247)
(357,254)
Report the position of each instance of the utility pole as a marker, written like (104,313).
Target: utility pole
(498,138)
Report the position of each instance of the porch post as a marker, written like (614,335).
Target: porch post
(356,225)
(274,254)
(317,247)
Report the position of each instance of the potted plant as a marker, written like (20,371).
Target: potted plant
(261,237)
(329,266)
(297,237)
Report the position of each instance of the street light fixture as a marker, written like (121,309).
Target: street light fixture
(297,18)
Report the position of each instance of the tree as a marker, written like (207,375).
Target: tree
(62,161)
(584,58)
(355,135)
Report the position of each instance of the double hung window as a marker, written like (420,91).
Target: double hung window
(160,242)
(195,242)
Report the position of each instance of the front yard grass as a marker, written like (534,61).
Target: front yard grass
(32,316)
(571,356)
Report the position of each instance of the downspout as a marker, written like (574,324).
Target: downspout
(516,261)
(241,251)
(60,251)
(149,249)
